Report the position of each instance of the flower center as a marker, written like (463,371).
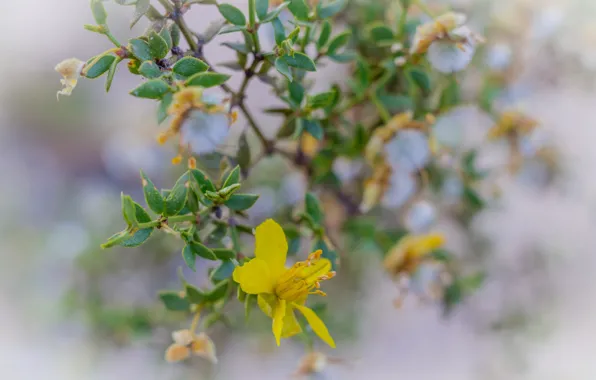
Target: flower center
(304,278)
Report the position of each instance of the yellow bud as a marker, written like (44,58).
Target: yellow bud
(177,160)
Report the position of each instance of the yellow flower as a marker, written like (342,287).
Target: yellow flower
(512,123)
(71,70)
(186,343)
(407,254)
(281,290)
(309,145)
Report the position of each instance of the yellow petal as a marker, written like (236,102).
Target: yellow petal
(176,353)
(267,303)
(203,346)
(316,324)
(291,326)
(254,277)
(271,246)
(278,320)
(182,337)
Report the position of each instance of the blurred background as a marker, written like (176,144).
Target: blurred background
(72,311)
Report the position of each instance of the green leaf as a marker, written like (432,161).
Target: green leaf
(232,14)
(150,70)
(232,29)
(344,57)
(313,208)
(325,34)
(189,66)
(152,89)
(202,251)
(299,9)
(452,295)
(128,210)
(194,295)
(172,301)
(141,8)
(111,73)
(224,253)
(159,46)
(300,61)
(380,32)
(279,32)
(202,181)
(176,199)
(421,79)
(99,12)
(330,9)
(164,104)
(243,155)
(140,236)
(100,67)
(167,36)
(451,95)
(175,33)
(208,79)
(296,92)
(233,177)
(116,239)
(189,257)
(282,67)
(224,271)
(241,202)
(218,292)
(237,46)
(140,49)
(396,103)
(338,42)
(274,13)
(473,198)
(262,6)
(314,128)
(441,255)
(152,196)
(320,100)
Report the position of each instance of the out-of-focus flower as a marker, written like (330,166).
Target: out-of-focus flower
(309,145)
(375,187)
(71,70)
(409,150)
(280,290)
(346,169)
(201,120)
(186,343)
(499,56)
(420,217)
(449,43)
(401,187)
(314,363)
(512,124)
(408,253)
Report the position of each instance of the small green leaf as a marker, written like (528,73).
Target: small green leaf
(152,196)
(421,79)
(202,181)
(314,128)
(208,79)
(440,255)
(116,239)
(159,46)
(249,303)
(325,34)
(241,202)
(194,295)
(233,177)
(128,210)
(344,57)
(111,73)
(380,32)
(152,89)
(232,29)
(232,14)
(224,271)
(282,67)
(320,100)
(172,301)
(238,46)
(176,199)
(300,61)
(202,251)
(189,257)
(473,198)
(313,208)
(140,49)
(299,9)
(218,292)
(338,42)
(167,36)
(279,32)
(330,9)
(99,12)
(140,236)
(262,6)
(164,104)
(274,13)
(141,7)
(296,92)
(100,67)
(150,70)
(189,66)
(224,253)
(175,33)
(243,155)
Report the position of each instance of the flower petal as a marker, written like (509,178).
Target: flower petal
(291,326)
(182,337)
(176,353)
(267,303)
(278,320)
(203,346)
(254,277)
(316,324)
(271,246)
